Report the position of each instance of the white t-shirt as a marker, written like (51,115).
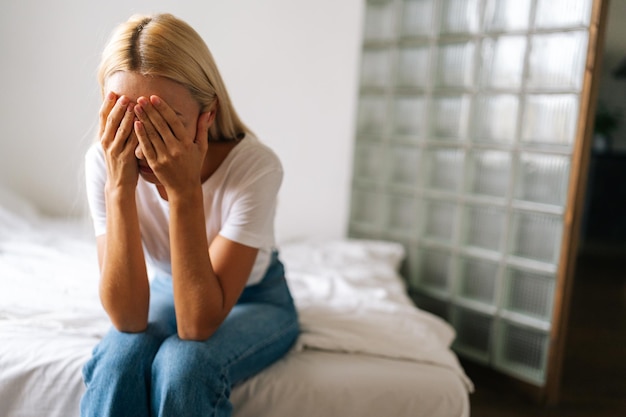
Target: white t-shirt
(239,204)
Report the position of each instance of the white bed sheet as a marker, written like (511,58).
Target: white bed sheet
(364,350)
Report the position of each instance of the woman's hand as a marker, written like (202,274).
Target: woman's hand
(118,142)
(174,152)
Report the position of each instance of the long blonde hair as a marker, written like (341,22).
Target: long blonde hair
(163,45)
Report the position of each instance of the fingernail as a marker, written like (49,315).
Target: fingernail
(139,109)
(110,96)
(142,100)
(124,100)
(155,100)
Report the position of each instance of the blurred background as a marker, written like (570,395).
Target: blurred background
(291,68)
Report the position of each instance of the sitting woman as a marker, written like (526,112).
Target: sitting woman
(183,199)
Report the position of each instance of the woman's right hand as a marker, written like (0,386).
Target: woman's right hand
(119,141)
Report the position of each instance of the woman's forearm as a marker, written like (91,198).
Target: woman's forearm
(198,295)
(124,285)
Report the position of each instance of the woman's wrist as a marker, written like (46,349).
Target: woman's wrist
(119,192)
(189,196)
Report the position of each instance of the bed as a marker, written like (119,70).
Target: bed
(364,351)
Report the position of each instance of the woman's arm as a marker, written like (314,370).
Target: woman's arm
(207,280)
(124,286)
(208,277)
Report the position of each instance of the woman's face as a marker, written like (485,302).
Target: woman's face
(134,85)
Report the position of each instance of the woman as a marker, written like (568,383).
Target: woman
(179,187)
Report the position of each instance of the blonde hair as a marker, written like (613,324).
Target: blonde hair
(163,45)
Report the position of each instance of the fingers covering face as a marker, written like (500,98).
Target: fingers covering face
(116,118)
(160,120)
(105,109)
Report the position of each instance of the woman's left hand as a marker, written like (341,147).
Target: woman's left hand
(174,152)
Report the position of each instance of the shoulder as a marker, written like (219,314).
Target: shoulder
(255,158)
(256,151)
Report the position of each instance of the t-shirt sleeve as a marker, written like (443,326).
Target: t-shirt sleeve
(250,218)
(95,177)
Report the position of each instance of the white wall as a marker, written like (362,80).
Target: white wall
(290,66)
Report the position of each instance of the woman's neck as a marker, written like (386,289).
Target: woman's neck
(215,155)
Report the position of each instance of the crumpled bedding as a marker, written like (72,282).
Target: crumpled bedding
(350,298)
(349,295)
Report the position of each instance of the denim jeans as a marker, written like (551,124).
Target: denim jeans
(155,373)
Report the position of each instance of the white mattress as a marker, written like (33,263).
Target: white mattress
(365,350)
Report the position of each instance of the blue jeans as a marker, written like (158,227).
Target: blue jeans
(155,373)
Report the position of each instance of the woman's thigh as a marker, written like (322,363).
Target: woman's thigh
(254,336)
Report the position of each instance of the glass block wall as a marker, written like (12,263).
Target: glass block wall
(466,122)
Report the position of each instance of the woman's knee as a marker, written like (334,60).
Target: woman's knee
(184,371)
(186,361)
(120,352)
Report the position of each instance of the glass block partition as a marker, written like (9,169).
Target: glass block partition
(466,123)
